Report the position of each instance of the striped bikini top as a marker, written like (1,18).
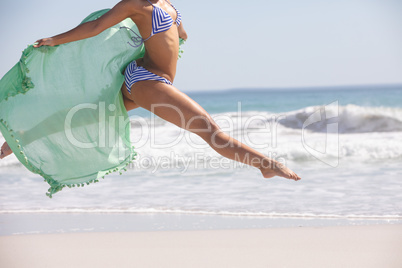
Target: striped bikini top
(161,21)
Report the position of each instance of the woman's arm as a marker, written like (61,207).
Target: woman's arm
(118,13)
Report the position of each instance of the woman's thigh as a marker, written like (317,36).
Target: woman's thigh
(171,104)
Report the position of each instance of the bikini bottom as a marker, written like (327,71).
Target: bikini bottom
(135,73)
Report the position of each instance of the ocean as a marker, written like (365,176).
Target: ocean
(344,142)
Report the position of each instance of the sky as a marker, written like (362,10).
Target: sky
(247,44)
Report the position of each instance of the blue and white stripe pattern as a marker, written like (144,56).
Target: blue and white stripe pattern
(135,73)
(161,20)
(178,18)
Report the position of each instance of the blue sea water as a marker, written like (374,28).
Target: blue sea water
(349,157)
(285,100)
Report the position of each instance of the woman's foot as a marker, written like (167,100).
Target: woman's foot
(274,168)
(5,150)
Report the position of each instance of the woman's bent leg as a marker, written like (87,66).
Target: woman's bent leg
(5,150)
(176,107)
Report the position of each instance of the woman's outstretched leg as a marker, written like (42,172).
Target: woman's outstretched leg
(176,107)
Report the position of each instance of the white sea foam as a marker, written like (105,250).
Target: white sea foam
(351,118)
(201,212)
(365,133)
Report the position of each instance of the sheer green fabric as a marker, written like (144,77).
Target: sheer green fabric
(61,108)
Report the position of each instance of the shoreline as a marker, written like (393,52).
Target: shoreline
(341,246)
(60,223)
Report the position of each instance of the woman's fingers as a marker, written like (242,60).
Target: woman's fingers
(38,43)
(44,42)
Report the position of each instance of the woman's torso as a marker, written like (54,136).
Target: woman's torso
(162,49)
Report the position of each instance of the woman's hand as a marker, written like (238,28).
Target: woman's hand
(44,42)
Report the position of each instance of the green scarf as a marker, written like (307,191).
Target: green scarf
(62,111)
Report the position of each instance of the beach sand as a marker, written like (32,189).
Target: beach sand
(343,246)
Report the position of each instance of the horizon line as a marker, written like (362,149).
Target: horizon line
(327,87)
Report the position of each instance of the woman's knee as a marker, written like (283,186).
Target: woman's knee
(204,126)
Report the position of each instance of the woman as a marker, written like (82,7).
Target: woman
(148,81)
